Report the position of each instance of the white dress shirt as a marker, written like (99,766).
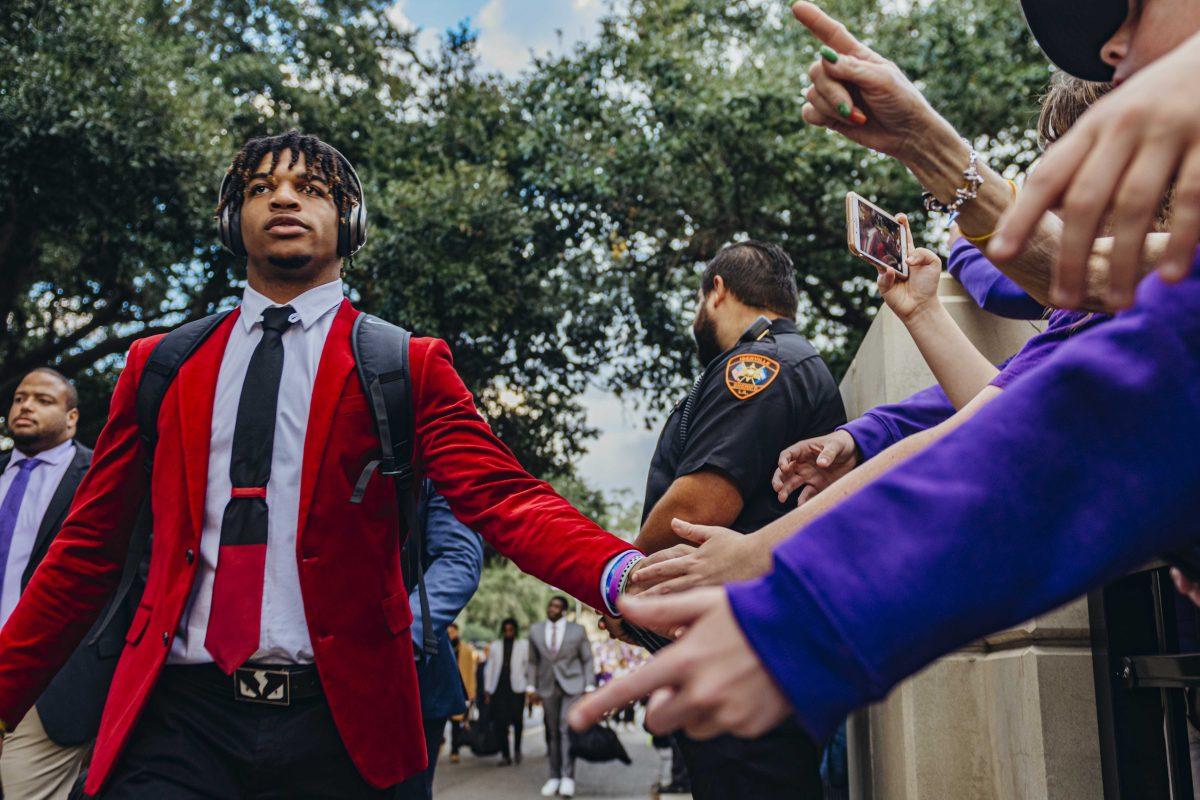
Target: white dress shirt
(43,483)
(558,629)
(283,633)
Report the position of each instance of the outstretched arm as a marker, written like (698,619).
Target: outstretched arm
(491,493)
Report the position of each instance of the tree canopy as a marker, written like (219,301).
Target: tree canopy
(549,225)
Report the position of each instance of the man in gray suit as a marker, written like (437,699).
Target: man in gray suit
(560,670)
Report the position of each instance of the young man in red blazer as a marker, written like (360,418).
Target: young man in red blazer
(270,654)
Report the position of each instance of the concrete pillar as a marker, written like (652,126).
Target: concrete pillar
(1012,716)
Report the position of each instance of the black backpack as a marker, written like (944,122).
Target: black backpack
(381,353)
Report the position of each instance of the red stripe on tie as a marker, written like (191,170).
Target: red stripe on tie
(233,621)
(249,491)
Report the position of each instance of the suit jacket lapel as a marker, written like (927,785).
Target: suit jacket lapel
(336,362)
(60,502)
(195,393)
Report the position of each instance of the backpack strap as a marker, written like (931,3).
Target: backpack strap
(381,353)
(165,360)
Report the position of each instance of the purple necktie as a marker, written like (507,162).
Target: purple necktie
(10,509)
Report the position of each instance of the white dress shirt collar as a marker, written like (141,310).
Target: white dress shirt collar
(54,456)
(310,306)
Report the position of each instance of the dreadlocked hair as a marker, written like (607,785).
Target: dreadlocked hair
(319,158)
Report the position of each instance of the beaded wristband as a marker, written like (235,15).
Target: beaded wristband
(617,577)
(972,179)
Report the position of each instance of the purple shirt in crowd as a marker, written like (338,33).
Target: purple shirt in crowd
(882,426)
(1080,470)
(989,287)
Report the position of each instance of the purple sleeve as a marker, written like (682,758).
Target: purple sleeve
(990,288)
(883,426)
(1049,490)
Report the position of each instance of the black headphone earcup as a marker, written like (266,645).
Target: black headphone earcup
(230,229)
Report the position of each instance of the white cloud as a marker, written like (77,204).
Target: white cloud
(510,31)
(620,457)
(428,38)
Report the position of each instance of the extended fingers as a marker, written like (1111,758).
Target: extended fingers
(662,670)
(829,30)
(1042,192)
(1084,204)
(1185,220)
(1137,202)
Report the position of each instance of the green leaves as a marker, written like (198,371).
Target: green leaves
(551,227)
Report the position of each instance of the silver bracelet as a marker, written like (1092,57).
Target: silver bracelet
(969,191)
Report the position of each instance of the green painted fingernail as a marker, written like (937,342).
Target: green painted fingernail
(829,54)
(844,109)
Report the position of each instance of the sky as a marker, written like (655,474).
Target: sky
(509,30)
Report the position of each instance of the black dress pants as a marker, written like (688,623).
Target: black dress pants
(784,764)
(195,740)
(420,786)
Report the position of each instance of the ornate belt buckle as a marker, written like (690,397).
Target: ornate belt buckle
(271,687)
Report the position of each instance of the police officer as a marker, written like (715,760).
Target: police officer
(763,385)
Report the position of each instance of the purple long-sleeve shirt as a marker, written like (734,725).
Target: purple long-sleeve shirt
(994,291)
(1082,469)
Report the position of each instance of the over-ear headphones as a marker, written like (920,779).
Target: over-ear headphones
(352,229)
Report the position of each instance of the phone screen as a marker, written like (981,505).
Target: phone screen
(879,237)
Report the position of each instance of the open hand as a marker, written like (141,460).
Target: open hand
(1115,165)
(814,464)
(708,683)
(722,556)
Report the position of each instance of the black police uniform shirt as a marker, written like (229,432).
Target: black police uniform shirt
(770,390)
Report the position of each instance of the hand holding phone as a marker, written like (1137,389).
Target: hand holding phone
(876,236)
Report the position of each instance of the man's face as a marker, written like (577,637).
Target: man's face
(39,417)
(1152,29)
(704,330)
(555,609)
(289,220)
(508,631)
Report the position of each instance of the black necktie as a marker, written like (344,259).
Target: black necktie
(236,610)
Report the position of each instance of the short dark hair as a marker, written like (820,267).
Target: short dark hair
(72,393)
(759,274)
(319,157)
(510,621)
(565,602)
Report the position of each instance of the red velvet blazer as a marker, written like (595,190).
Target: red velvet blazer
(355,602)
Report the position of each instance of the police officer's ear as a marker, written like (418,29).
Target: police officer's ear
(719,291)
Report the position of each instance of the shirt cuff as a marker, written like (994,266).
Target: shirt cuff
(870,435)
(791,634)
(612,579)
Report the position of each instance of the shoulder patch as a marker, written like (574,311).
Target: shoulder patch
(749,373)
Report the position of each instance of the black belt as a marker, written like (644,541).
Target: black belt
(266,684)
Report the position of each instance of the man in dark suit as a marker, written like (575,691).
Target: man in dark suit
(38,478)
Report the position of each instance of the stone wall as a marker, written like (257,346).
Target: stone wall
(1011,717)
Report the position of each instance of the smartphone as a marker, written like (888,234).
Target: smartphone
(874,235)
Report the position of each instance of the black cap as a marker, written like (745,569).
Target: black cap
(1071,32)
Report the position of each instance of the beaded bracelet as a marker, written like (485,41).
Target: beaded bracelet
(617,578)
(973,180)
